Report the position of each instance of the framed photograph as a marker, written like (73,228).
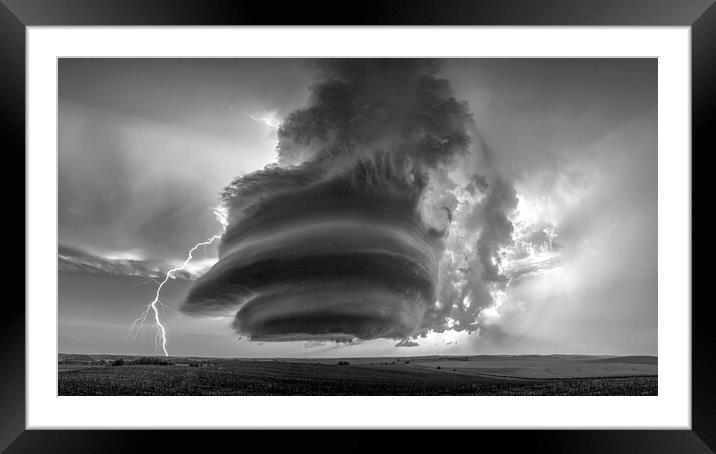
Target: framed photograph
(467,217)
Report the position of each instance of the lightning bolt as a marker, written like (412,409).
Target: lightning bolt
(152,307)
(269,118)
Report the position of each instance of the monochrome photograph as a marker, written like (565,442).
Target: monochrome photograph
(357,226)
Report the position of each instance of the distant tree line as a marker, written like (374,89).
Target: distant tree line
(143,360)
(152,360)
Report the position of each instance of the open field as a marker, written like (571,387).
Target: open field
(550,366)
(476,375)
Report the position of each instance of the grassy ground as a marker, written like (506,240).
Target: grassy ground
(246,377)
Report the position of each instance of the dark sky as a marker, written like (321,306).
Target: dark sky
(147,145)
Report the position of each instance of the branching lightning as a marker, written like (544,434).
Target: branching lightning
(269,118)
(160,337)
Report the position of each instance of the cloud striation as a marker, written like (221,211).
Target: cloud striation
(382,216)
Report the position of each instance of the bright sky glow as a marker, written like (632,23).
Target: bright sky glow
(269,118)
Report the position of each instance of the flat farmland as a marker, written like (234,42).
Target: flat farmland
(556,366)
(364,376)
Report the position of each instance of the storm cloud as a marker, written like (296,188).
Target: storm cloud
(71,259)
(381,217)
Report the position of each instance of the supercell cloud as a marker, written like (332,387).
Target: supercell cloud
(381,218)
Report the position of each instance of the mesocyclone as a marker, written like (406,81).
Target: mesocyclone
(344,236)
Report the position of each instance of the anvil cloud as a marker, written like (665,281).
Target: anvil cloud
(382,217)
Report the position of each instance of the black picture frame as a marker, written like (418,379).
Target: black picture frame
(700,15)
